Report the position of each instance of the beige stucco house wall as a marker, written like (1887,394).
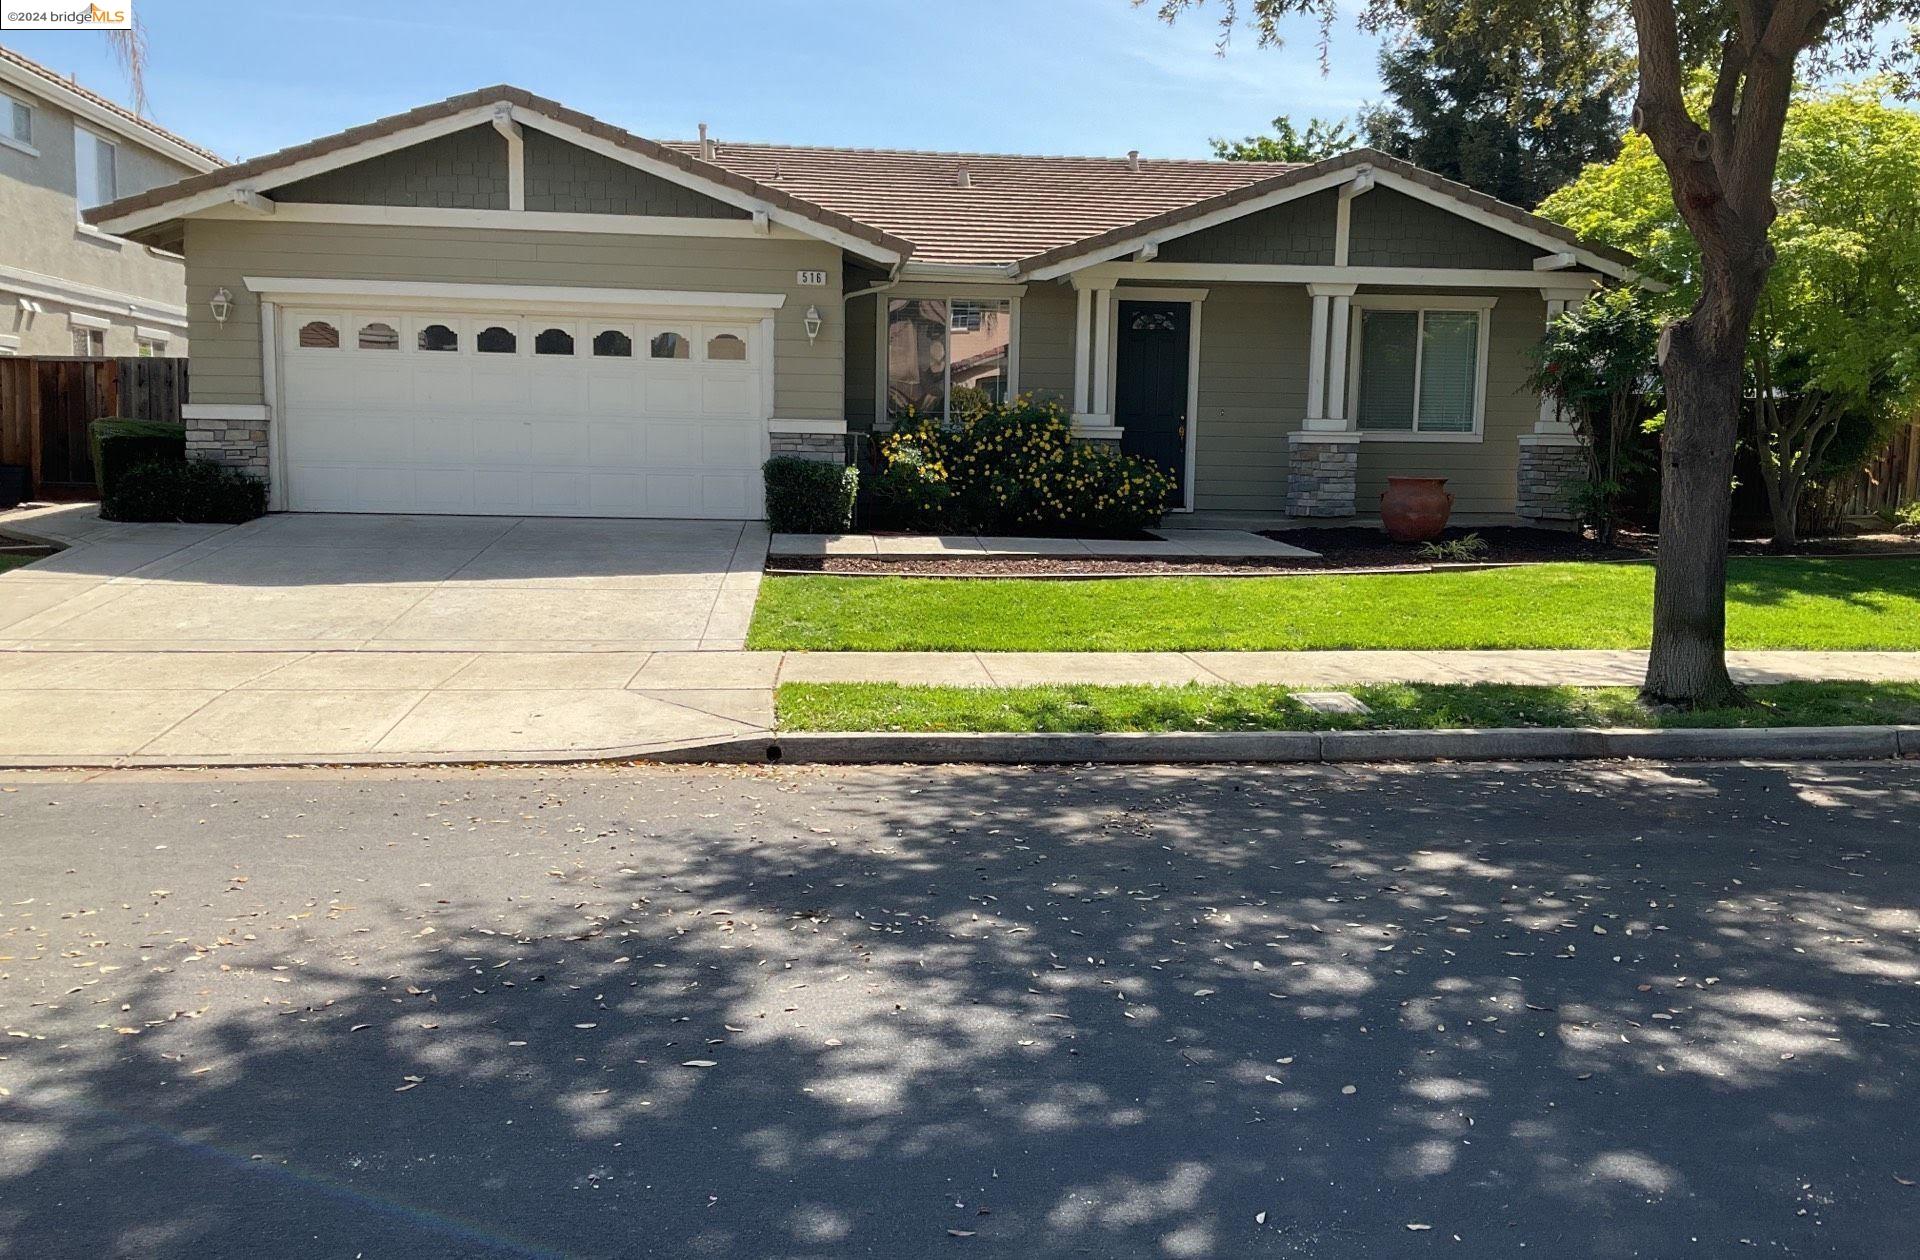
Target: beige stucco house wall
(75,275)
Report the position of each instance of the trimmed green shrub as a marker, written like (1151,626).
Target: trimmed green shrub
(201,492)
(1015,467)
(809,496)
(907,493)
(117,444)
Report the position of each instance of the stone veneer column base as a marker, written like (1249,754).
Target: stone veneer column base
(1322,469)
(238,444)
(1552,466)
(825,448)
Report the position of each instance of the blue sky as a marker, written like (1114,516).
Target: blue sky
(1032,76)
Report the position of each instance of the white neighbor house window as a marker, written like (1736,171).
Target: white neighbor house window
(943,351)
(89,342)
(16,122)
(1419,369)
(93,170)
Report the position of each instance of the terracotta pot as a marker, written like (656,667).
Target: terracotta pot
(1415,509)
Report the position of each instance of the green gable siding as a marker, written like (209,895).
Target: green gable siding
(466,170)
(1391,229)
(1296,232)
(567,178)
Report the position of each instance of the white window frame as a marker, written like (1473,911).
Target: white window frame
(1420,303)
(884,299)
(7,138)
(80,207)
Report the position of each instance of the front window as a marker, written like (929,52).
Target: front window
(93,170)
(1418,370)
(947,357)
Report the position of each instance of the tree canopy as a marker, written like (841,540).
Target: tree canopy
(1840,311)
(1455,109)
(1287,143)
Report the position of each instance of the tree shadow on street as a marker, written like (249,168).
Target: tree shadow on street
(1124,1012)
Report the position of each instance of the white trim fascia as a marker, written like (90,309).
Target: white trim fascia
(1426,301)
(516,155)
(1331,437)
(1143,293)
(1556,262)
(711,188)
(1293,273)
(952,273)
(806,426)
(144,333)
(79,320)
(224,411)
(251,203)
(519,294)
(74,103)
(1502,224)
(521,220)
(1162,235)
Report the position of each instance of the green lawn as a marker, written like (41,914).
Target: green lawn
(1793,603)
(14,561)
(1399,706)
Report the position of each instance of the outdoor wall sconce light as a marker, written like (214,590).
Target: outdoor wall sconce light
(813,322)
(222,305)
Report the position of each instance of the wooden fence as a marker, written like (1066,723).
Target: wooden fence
(1890,480)
(46,405)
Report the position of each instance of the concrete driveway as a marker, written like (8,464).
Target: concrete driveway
(358,636)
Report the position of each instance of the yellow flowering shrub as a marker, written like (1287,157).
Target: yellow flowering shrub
(1013,467)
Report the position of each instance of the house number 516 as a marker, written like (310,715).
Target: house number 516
(811,279)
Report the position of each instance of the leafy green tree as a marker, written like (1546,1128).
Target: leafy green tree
(1719,157)
(1321,139)
(1454,107)
(1598,363)
(1834,350)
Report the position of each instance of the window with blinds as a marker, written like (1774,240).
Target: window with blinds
(1418,371)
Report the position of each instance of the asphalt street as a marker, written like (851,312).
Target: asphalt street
(1562,1011)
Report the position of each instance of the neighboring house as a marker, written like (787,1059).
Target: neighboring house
(496,304)
(67,287)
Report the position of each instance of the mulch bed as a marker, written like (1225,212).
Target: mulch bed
(1342,548)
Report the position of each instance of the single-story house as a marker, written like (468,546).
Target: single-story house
(496,304)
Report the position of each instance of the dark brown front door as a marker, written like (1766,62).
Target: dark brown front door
(1150,395)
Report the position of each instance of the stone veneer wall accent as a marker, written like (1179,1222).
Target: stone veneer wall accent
(238,444)
(1551,467)
(1321,474)
(827,448)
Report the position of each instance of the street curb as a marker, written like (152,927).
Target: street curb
(1508,744)
(1793,743)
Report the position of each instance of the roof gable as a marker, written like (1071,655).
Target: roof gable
(162,207)
(31,77)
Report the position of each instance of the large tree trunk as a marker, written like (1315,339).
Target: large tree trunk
(1688,664)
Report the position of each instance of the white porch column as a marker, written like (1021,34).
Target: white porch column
(1317,360)
(1327,358)
(1082,331)
(1103,354)
(1550,421)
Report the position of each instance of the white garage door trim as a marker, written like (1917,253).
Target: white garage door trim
(642,437)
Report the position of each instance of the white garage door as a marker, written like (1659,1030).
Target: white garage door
(523,414)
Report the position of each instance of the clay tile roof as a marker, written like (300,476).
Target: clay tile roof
(1010,207)
(120,111)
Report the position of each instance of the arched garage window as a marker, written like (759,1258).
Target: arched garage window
(553,341)
(378,336)
(496,340)
(438,337)
(670,345)
(319,335)
(726,348)
(612,344)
